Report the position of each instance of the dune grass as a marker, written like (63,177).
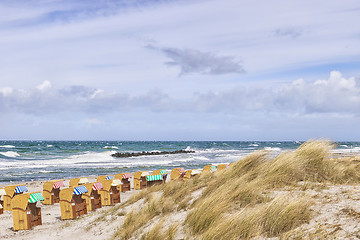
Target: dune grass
(239,202)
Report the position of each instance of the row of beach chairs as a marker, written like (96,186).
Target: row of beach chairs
(82,196)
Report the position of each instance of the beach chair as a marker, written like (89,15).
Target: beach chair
(154,180)
(78,182)
(110,194)
(92,197)
(72,205)
(51,191)
(105,177)
(25,213)
(209,168)
(12,191)
(2,194)
(125,179)
(191,173)
(140,179)
(163,172)
(222,166)
(177,173)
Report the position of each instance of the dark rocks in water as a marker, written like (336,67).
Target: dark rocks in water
(143,153)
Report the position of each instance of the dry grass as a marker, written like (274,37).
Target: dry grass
(158,233)
(246,184)
(155,206)
(238,202)
(270,219)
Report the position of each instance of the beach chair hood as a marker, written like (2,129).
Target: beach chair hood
(80,190)
(116,182)
(83,180)
(2,192)
(74,182)
(195,172)
(123,176)
(140,174)
(126,175)
(67,194)
(22,201)
(107,184)
(48,186)
(93,187)
(154,177)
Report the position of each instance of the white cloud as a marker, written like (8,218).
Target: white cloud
(6,91)
(45,86)
(337,94)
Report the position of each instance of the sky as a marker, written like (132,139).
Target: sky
(180,70)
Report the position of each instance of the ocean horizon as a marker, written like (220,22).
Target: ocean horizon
(43,160)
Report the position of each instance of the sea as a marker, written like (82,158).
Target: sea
(43,160)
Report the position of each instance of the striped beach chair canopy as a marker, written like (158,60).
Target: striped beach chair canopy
(109,177)
(116,182)
(126,175)
(21,189)
(36,197)
(80,190)
(97,186)
(154,177)
(163,172)
(181,170)
(2,192)
(213,168)
(59,184)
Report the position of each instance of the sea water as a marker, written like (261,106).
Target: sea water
(42,160)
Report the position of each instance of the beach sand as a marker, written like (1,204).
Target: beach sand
(52,226)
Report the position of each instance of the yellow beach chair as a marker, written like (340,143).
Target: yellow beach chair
(78,182)
(93,197)
(110,194)
(51,191)
(12,191)
(191,173)
(177,173)
(222,166)
(125,179)
(25,213)
(105,177)
(140,179)
(72,205)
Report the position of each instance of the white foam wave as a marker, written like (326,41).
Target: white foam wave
(253,145)
(49,145)
(188,148)
(348,150)
(111,147)
(7,146)
(10,154)
(344,146)
(272,149)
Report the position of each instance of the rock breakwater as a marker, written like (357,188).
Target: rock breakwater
(143,153)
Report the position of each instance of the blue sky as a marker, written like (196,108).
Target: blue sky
(179,70)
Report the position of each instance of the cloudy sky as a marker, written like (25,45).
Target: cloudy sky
(179,70)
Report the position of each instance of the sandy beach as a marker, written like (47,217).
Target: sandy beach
(333,210)
(52,226)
